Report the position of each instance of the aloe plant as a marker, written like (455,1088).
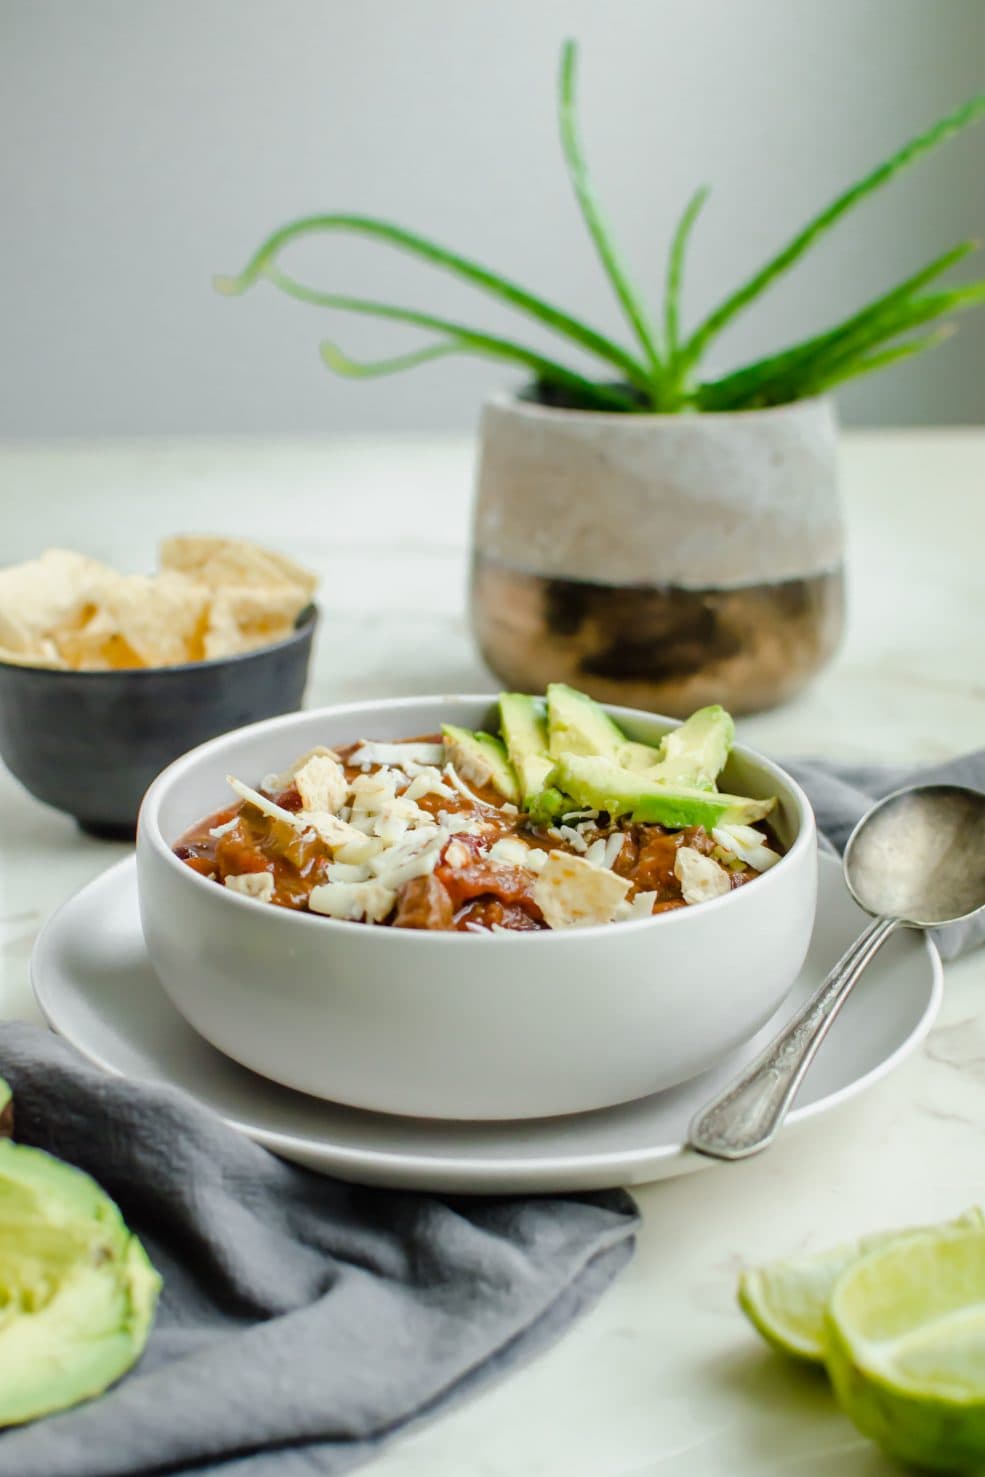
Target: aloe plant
(662,371)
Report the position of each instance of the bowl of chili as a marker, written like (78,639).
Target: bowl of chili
(464,1006)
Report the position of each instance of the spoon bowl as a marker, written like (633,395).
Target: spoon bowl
(919,855)
(915,860)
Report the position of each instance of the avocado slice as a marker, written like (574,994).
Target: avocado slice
(638,757)
(524,729)
(578,725)
(77,1290)
(695,753)
(481,760)
(603,785)
(550,803)
(692,754)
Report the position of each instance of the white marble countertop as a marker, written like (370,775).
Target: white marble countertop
(663,1379)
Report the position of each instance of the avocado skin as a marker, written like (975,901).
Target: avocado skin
(81,1290)
(524,728)
(488,753)
(578,725)
(603,785)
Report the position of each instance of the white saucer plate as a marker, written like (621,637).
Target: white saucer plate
(96,987)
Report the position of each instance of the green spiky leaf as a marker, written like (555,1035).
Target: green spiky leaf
(615,270)
(944,129)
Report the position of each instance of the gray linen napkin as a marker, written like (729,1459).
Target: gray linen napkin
(303,1322)
(842,793)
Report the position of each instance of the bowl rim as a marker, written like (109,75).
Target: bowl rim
(149,832)
(818,407)
(305,625)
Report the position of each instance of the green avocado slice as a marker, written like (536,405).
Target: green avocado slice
(603,785)
(548,805)
(578,725)
(481,759)
(638,757)
(524,729)
(695,753)
(77,1290)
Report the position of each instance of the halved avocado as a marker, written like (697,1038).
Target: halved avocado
(578,725)
(603,785)
(77,1291)
(481,759)
(524,729)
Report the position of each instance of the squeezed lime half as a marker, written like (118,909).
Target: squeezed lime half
(787,1301)
(905,1348)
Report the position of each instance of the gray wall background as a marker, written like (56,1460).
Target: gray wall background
(150,143)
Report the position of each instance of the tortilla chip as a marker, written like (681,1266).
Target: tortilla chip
(213,597)
(97,646)
(46,657)
(144,621)
(243,619)
(57,591)
(223,562)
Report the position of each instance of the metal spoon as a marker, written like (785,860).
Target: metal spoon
(915,860)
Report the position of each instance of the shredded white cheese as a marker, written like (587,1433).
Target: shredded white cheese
(640,907)
(429,782)
(334,832)
(452,774)
(415,856)
(457,855)
(391,829)
(574,838)
(264,804)
(613,847)
(359,849)
(455,823)
(259,885)
(348,872)
(370,792)
(353,901)
(748,844)
(398,755)
(510,849)
(224,830)
(701,877)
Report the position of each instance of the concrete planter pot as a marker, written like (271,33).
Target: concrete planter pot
(661,562)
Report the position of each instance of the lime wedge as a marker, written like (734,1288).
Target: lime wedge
(786,1301)
(905,1333)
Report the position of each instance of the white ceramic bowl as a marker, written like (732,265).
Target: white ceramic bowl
(448,1025)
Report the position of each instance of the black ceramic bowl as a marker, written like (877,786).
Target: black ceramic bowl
(90,743)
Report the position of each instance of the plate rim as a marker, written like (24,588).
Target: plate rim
(409,1166)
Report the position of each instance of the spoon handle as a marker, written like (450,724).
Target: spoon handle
(745,1116)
